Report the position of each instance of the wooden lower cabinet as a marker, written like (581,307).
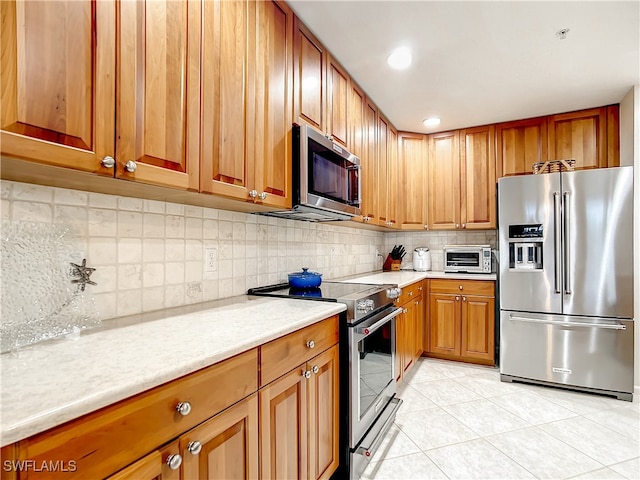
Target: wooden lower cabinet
(155,466)
(409,329)
(462,323)
(224,447)
(232,429)
(299,421)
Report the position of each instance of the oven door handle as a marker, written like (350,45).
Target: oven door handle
(370,451)
(366,331)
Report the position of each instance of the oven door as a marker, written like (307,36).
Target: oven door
(372,350)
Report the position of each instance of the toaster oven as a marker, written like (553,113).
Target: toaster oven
(467,258)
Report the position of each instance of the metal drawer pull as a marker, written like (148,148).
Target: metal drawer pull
(370,451)
(183,408)
(315,369)
(570,324)
(306,374)
(174,461)
(194,447)
(311,344)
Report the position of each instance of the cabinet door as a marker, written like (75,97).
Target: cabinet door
(444,181)
(309,78)
(154,466)
(274,96)
(58,82)
(401,328)
(323,414)
(224,447)
(370,161)
(338,102)
(283,427)
(412,182)
(478,327)
(381,184)
(227,101)
(357,134)
(418,328)
(409,336)
(393,175)
(159,92)
(613,136)
(478,188)
(444,335)
(519,145)
(580,135)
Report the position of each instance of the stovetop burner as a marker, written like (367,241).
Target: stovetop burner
(361,299)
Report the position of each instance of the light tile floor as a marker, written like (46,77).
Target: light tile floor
(458,421)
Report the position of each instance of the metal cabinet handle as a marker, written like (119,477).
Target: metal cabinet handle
(420,288)
(464,299)
(183,408)
(253,193)
(457,225)
(417,302)
(311,344)
(131,166)
(108,162)
(426,227)
(194,447)
(262,196)
(459,287)
(306,374)
(315,369)
(464,225)
(457,298)
(411,294)
(174,461)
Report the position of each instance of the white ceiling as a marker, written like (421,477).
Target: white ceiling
(482,62)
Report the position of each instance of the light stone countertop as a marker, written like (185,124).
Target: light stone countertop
(52,382)
(404,278)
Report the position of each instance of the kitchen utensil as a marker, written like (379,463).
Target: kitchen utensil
(305,279)
(421,259)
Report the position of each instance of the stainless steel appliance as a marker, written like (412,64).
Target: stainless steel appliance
(421,259)
(326,179)
(367,360)
(566,279)
(467,258)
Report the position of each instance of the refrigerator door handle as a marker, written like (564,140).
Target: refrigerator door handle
(567,244)
(569,324)
(558,244)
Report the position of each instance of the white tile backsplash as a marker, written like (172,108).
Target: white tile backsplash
(149,254)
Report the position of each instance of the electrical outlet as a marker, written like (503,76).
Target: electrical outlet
(210,260)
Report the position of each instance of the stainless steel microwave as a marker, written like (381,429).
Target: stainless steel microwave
(326,179)
(467,258)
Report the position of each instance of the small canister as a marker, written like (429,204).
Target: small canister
(421,259)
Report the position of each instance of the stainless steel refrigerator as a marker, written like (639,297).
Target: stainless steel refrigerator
(566,279)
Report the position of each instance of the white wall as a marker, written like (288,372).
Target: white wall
(630,155)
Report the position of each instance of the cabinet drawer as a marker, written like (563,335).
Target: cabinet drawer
(409,292)
(101,442)
(283,354)
(470,287)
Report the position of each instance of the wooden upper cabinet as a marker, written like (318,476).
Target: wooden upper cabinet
(338,85)
(369,165)
(309,78)
(519,145)
(226,166)
(579,135)
(444,181)
(393,177)
(381,182)
(478,163)
(412,181)
(159,92)
(357,133)
(58,82)
(273,103)
(613,136)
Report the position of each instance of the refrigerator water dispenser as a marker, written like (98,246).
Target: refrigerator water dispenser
(524,252)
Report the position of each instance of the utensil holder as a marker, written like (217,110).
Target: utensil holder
(386,266)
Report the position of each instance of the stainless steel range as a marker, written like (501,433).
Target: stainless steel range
(367,359)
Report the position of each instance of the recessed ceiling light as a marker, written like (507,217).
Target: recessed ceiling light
(400,58)
(431,122)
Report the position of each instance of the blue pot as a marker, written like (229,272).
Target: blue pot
(305,279)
